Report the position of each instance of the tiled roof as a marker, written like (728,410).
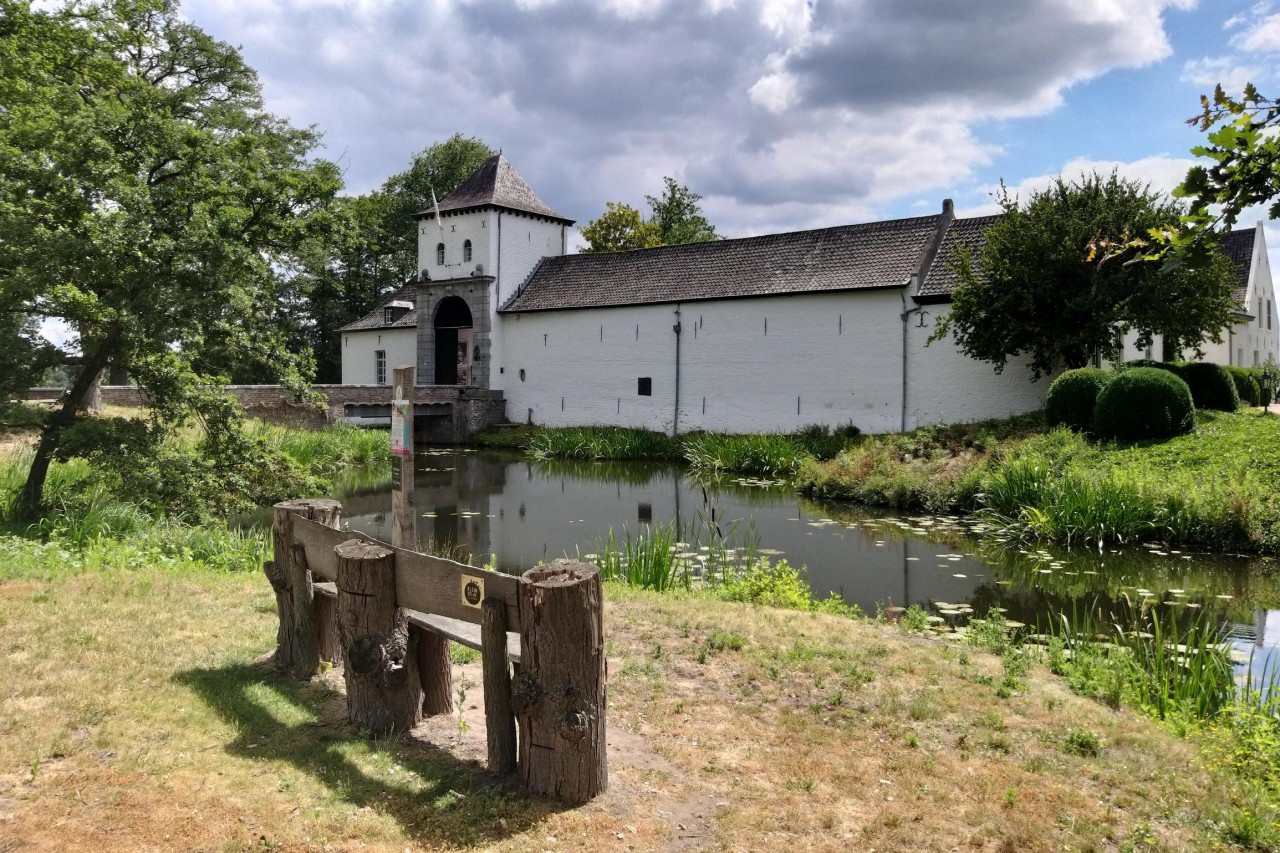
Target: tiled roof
(373,320)
(495,184)
(849,257)
(968,233)
(961,233)
(1238,246)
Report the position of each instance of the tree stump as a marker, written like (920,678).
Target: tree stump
(297,640)
(559,695)
(499,723)
(383,693)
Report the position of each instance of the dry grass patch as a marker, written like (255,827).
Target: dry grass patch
(136,715)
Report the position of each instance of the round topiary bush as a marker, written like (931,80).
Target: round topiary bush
(1211,386)
(1071,398)
(1144,402)
(1248,385)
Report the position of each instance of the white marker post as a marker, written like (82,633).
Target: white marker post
(403,520)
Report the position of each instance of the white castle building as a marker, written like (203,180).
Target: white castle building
(760,334)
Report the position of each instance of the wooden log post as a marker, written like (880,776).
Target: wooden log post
(559,695)
(383,693)
(298,637)
(499,722)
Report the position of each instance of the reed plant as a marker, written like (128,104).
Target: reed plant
(649,560)
(777,456)
(604,443)
(1165,666)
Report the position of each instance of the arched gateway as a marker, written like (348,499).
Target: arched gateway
(455,347)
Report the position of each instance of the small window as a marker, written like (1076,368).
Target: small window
(466,252)
(645,386)
(1256,363)
(440,254)
(388,316)
(380,366)
(1268,315)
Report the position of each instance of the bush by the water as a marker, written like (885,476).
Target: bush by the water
(1211,386)
(1072,397)
(1248,384)
(1142,403)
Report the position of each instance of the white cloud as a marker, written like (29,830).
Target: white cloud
(1210,71)
(783,113)
(1161,172)
(1262,36)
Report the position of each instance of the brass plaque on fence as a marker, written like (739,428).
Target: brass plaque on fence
(472,591)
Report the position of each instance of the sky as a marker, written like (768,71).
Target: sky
(783,114)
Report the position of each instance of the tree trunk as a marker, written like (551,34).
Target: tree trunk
(93,399)
(559,695)
(117,375)
(499,722)
(298,639)
(383,693)
(30,500)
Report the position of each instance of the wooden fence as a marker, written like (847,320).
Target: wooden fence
(381,612)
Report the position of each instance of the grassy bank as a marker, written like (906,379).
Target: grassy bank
(136,714)
(1213,489)
(87,520)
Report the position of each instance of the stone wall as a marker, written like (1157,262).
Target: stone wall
(456,412)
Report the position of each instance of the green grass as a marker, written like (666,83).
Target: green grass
(1212,489)
(88,522)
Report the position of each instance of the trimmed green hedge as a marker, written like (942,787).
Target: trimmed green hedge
(1072,397)
(1144,402)
(1248,382)
(1211,386)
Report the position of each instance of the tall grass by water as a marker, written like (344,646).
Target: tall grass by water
(84,515)
(604,443)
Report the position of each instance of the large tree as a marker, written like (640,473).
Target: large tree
(1035,291)
(148,201)
(674,217)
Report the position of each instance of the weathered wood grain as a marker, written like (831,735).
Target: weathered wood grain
(559,696)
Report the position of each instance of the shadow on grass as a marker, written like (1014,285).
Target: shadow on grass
(437,798)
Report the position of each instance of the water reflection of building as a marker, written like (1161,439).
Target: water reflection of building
(525,512)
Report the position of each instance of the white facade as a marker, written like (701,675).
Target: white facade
(505,244)
(1255,339)
(360,354)
(769,364)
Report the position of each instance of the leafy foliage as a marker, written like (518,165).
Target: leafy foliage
(149,201)
(1034,292)
(1144,403)
(1072,397)
(675,217)
(678,215)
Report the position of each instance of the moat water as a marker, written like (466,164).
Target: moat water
(502,506)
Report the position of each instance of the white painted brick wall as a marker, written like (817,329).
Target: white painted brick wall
(358,348)
(840,354)
(525,241)
(458,228)
(945,386)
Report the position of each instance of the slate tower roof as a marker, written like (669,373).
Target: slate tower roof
(495,184)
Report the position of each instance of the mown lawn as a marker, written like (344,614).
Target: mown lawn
(137,713)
